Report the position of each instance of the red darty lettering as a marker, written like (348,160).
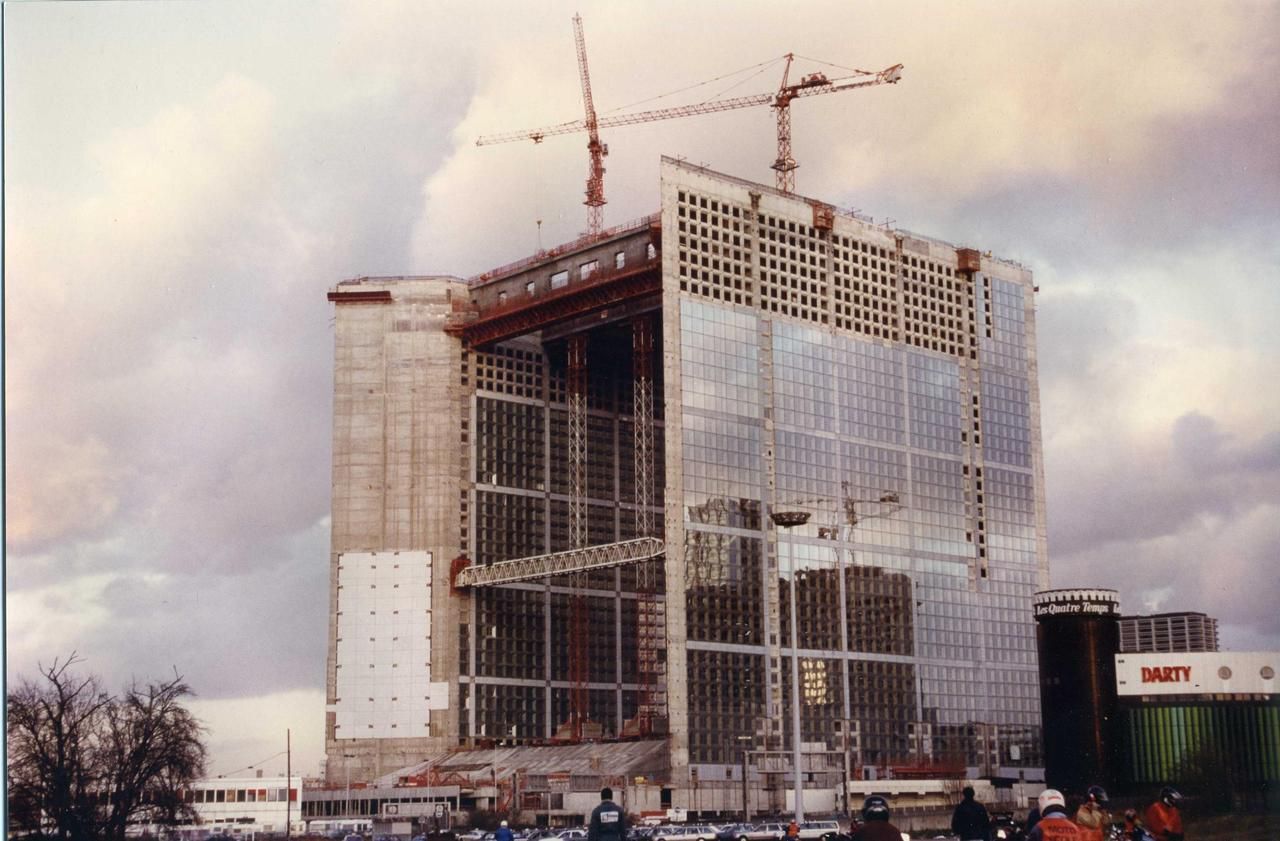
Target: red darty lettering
(1166,674)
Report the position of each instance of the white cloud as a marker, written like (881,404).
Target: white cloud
(250,731)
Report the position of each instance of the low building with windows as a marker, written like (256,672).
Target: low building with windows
(244,806)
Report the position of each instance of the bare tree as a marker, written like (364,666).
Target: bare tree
(52,735)
(84,764)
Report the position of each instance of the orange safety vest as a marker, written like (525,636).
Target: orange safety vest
(1092,820)
(1163,821)
(1057,827)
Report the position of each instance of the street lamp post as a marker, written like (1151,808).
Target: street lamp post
(746,754)
(346,766)
(797,753)
(788,519)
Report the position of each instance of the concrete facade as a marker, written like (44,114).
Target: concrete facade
(397,466)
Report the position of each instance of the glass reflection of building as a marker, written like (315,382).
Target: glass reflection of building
(885,385)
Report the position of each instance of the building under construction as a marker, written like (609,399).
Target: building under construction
(753,478)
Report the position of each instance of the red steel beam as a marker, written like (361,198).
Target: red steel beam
(365,296)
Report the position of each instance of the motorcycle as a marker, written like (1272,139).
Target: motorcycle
(1005,828)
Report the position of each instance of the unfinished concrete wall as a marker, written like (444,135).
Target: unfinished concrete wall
(397,479)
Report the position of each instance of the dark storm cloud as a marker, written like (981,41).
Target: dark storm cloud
(256,630)
(1129,492)
(1184,522)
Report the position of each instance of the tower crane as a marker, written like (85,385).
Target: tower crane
(784,165)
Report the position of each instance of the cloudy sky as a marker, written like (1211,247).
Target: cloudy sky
(184,181)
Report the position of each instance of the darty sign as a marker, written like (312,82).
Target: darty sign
(1166,674)
(1197,673)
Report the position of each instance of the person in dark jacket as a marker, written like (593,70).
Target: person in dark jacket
(970,820)
(608,822)
(876,826)
(504,833)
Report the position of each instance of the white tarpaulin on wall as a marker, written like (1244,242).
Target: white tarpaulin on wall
(384,685)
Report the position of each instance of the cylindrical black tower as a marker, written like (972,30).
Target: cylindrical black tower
(1078,636)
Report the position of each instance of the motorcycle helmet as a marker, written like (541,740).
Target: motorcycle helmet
(1098,794)
(1051,798)
(1170,796)
(875,808)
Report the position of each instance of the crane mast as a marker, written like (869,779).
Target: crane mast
(595,149)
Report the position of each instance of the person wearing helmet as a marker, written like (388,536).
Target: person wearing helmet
(1164,817)
(1054,825)
(1092,816)
(876,826)
(504,833)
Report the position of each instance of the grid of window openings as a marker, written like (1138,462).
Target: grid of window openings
(715,257)
(793,269)
(869,286)
(937,304)
(864,288)
(901,399)
(514,652)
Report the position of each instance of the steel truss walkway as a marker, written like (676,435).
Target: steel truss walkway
(603,556)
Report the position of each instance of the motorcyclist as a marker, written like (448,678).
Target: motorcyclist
(1093,816)
(504,833)
(1054,825)
(1132,829)
(876,826)
(1164,817)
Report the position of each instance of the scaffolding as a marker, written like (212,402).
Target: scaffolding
(539,567)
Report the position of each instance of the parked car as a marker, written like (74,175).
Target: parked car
(766,832)
(685,832)
(735,832)
(819,830)
(674,832)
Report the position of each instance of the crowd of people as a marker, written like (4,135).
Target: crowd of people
(1092,820)
(1049,819)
